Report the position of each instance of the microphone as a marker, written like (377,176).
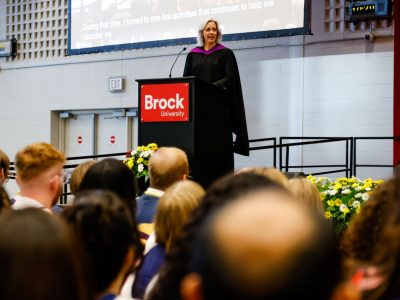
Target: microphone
(170,72)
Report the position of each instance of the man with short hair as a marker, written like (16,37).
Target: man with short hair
(166,166)
(40,176)
(264,245)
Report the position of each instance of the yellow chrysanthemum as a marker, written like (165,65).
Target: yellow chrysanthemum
(129,163)
(338,202)
(346,211)
(140,160)
(322,196)
(337,186)
(330,203)
(152,146)
(328,215)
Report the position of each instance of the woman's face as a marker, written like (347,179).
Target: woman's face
(210,33)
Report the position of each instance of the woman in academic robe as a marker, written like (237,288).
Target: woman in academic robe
(213,62)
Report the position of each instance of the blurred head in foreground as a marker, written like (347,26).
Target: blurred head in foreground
(264,245)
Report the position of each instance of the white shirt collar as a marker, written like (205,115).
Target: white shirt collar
(22,202)
(154,192)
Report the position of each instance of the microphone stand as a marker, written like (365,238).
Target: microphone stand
(170,72)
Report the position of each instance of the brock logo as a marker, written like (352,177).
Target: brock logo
(166,102)
(171,103)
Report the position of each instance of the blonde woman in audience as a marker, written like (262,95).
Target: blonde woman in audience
(173,212)
(78,174)
(307,192)
(272,174)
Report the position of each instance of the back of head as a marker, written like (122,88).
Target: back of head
(166,166)
(306,191)
(78,174)
(107,230)
(174,209)
(4,166)
(39,257)
(272,174)
(34,159)
(266,245)
(365,232)
(113,175)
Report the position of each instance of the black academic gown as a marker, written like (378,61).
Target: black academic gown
(220,68)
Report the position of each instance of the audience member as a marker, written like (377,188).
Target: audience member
(109,235)
(40,176)
(78,174)
(166,166)
(5,202)
(40,259)
(371,244)
(294,256)
(113,175)
(173,211)
(272,174)
(177,261)
(4,167)
(306,191)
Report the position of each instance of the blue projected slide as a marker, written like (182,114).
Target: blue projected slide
(102,24)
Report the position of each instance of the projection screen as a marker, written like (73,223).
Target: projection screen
(105,25)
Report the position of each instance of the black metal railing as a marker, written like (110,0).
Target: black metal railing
(346,167)
(379,138)
(272,147)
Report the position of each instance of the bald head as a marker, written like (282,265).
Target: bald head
(166,166)
(266,245)
(259,237)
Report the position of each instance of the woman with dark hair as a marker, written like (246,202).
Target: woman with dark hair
(113,175)
(109,235)
(40,258)
(222,191)
(5,202)
(4,167)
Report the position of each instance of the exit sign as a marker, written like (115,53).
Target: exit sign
(116,84)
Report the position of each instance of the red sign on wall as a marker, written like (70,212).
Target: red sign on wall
(165,102)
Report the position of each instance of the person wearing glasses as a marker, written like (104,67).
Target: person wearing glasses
(40,176)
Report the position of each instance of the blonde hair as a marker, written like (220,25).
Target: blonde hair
(174,209)
(166,166)
(78,174)
(36,158)
(200,39)
(272,174)
(307,192)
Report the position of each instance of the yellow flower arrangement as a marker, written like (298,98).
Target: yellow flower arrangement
(343,197)
(138,160)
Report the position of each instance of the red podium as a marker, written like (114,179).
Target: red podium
(192,115)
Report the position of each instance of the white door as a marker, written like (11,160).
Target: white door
(80,135)
(112,134)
